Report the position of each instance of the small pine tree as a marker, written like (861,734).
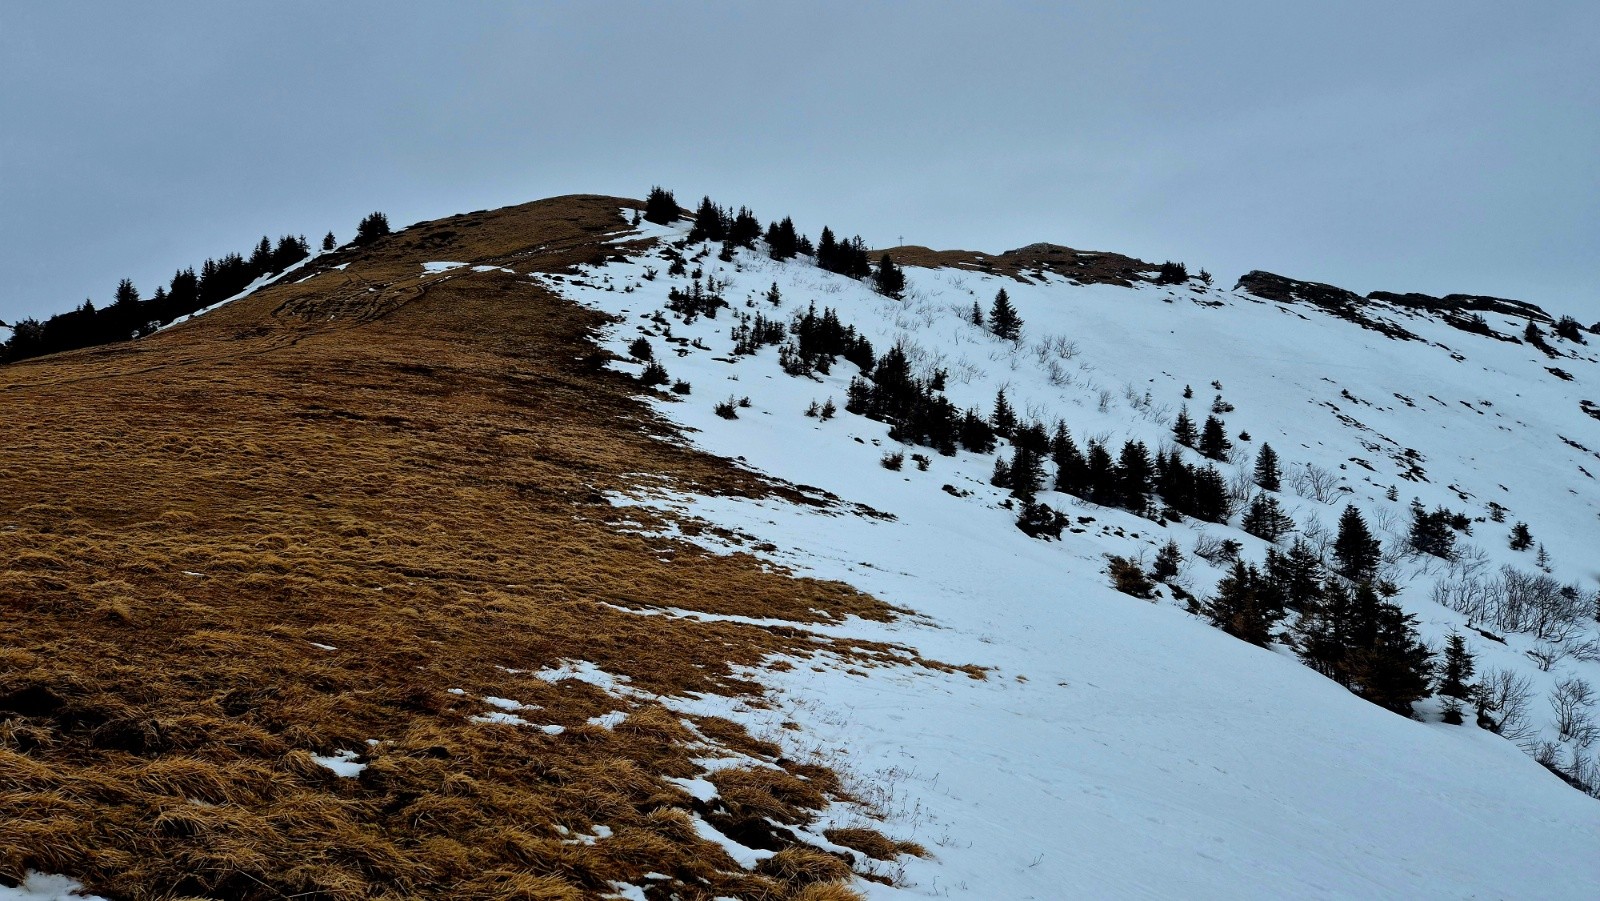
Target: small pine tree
(1431,533)
(1454,674)
(375,226)
(1183,430)
(660,207)
(977,314)
(1355,552)
(1267,475)
(891,279)
(1543,559)
(1025,473)
(1521,538)
(1214,441)
(328,242)
(1239,607)
(1004,419)
(1266,520)
(1134,475)
(1168,560)
(1003,319)
(1297,575)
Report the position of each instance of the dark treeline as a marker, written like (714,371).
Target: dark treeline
(741,229)
(131,316)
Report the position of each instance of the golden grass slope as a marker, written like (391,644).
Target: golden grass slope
(291,526)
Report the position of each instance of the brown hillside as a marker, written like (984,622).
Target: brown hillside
(408,469)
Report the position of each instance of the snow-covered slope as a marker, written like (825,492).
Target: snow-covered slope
(1121,747)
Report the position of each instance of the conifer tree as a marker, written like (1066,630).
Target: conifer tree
(1004,419)
(374,226)
(1297,575)
(782,240)
(710,222)
(1266,520)
(1026,472)
(1323,632)
(1101,476)
(660,207)
(975,433)
(1392,667)
(827,250)
(1003,319)
(1431,532)
(1267,475)
(328,242)
(1355,552)
(1134,473)
(1239,607)
(1168,559)
(745,229)
(1072,474)
(1214,441)
(1454,674)
(977,314)
(1183,430)
(891,280)
(1001,477)
(1210,500)
(1521,538)
(126,297)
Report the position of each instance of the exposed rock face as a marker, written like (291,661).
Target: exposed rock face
(1346,305)
(1272,286)
(1088,267)
(1462,303)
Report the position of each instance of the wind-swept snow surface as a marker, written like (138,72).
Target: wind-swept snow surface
(1120,747)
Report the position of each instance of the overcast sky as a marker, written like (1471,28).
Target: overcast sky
(1411,146)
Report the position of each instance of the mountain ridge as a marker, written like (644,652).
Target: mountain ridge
(429,492)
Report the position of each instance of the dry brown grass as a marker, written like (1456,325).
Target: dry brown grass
(409,469)
(873,843)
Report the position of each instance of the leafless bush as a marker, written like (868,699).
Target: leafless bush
(1572,700)
(1468,596)
(1318,535)
(1216,550)
(1469,560)
(1585,771)
(1504,695)
(1542,605)
(1106,397)
(1242,487)
(1517,601)
(1547,654)
(1587,651)
(1314,482)
(1057,346)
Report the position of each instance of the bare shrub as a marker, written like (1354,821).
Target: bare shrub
(1504,694)
(1572,701)
(1518,601)
(1547,654)
(1314,482)
(1468,596)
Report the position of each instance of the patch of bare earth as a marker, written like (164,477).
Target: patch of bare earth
(330,520)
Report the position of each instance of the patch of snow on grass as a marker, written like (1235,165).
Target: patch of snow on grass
(343,763)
